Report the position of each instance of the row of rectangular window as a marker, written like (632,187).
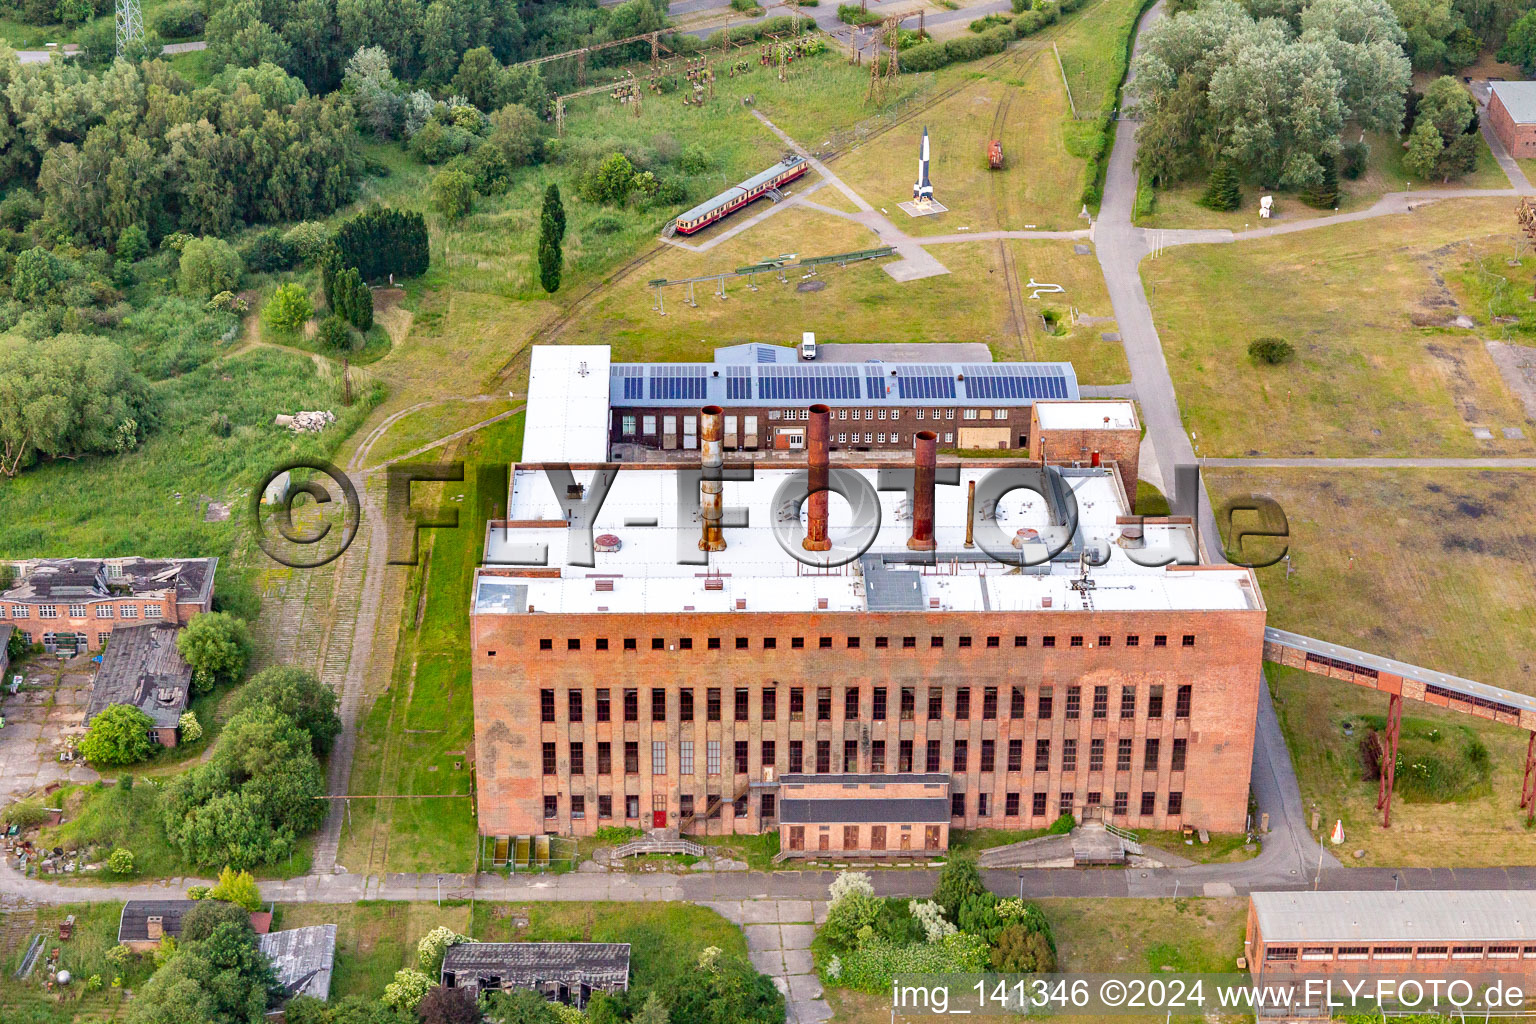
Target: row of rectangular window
(1290,954)
(768,707)
(960,761)
(771,643)
(958,802)
(80,611)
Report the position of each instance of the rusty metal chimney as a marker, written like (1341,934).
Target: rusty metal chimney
(922,493)
(970,516)
(817,439)
(713,460)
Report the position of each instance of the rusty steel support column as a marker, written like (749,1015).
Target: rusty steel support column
(817,442)
(713,461)
(970,516)
(922,492)
(1389,759)
(1528,785)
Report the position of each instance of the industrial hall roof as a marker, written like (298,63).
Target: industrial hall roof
(1408,916)
(83,580)
(766,375)
(527,964)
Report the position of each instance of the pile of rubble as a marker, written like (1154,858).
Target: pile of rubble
(312,422)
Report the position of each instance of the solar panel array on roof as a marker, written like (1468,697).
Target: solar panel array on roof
(738,382)
(1004,381)
(802,382)
(678,381)
(632,379)
(874,382)
(925,382)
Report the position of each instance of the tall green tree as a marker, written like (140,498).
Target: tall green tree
(118,735)
(295,692)
(551,230)
(217,646)
(65,397)
(1223,191)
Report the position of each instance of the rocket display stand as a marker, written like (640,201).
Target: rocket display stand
(922,203)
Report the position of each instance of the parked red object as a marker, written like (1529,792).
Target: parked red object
(995,155)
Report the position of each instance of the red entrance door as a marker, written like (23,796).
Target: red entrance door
(658,819)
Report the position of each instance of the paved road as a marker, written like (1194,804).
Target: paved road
(69,50)
(1492,462)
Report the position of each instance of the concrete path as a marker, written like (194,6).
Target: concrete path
(1491,462)
(70,49)
(915,262)
(779,934)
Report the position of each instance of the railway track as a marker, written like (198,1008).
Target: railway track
(1018,316)
(549,332)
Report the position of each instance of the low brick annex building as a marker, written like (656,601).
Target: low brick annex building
(1034,647)
(1429,933)
(74,604)
(1512,115)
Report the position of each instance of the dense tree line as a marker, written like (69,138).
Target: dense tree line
(137,145)
(379,242)
(251,801)
(1270,95)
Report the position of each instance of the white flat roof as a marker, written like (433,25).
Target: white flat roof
(567,418)
(1088,415)
(1479,915)
(644,575)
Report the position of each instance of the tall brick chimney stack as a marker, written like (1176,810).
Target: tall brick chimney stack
(922,494)
(817,441)
(710,501)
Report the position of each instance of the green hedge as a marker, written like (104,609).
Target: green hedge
(781,25)
(1104,127)
(1032,16)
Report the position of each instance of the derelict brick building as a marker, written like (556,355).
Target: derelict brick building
(644,692)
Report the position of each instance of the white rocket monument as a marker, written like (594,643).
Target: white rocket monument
(922,191)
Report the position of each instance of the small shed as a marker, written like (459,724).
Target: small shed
(143,668)
(565,972)
(1512,115)
(144,922)
(303,959)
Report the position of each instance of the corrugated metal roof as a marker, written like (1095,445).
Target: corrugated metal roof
(1417,916)
(864,809)
(302,958)
(1519,98)
(526,964)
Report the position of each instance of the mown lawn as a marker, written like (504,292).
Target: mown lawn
(415,734)
(1375,372)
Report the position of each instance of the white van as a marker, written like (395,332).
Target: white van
(807,345)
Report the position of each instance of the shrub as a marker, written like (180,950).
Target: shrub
(896,922)
(852,912)
(191,728)
(26,813)
(208,266)
(1062,825)
(118,735)
(288,308)
(930,918)
(453,195)
(958,880)
(308,240)
(978,916)
(120,861)
(1272,351)
(407,990)
(269,251)
(442,1005)
(237,887)
(209,916)
(430,950)
(872,966)
(180,19)
(1352,159)
(217,645)
(132,244)
(1022,950)
(199,892)
(849,883)
(335,334)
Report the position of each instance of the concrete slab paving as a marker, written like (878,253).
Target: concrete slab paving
(795,911)
(804,986)
(763,937)
(769,962)
(797,936)
(809,1011)
(759,912)
(798,961)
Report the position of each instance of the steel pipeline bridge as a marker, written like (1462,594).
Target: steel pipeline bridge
(1401,680)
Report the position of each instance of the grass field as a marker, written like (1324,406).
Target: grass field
(1366,379)
(419,727)
(1021,101)
(375,939)
(1402,563)
(1179,206)
(84,955)
(859,302)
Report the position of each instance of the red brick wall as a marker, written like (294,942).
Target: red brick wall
(1122,447)
(510,670)
(1519,139)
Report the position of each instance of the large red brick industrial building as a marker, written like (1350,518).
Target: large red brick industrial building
(637,690)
